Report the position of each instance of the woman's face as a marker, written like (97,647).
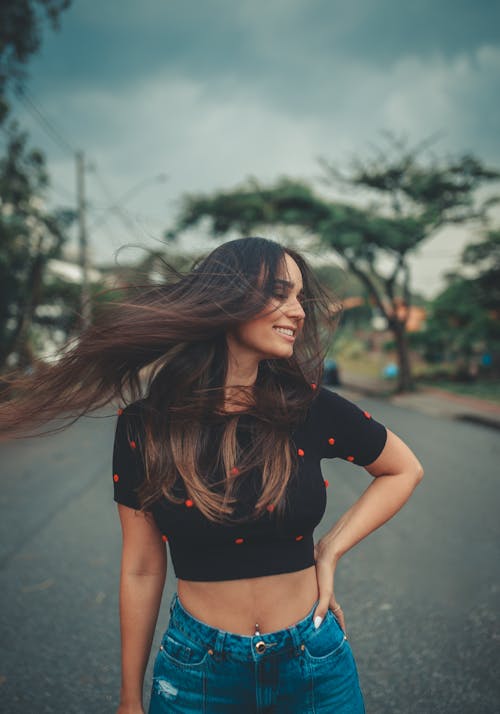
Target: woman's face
(271,335)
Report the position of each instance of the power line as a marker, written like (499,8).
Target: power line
(114,206)
(58,138)
(48,126)
(54,133)
(85,298)
(63,192)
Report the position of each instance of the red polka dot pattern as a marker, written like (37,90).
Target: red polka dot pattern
(367,415)
(350,458)
(331,441)
(116,478)
(314,386)
(164,538)
(299,537)
(188,502)
(239,540)
(270,508)
(119,411)
(300,452)
(327,483)
(133,444)
(234,471)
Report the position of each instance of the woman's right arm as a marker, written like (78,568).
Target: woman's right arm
(143,571)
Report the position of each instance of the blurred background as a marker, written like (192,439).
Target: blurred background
(365,134)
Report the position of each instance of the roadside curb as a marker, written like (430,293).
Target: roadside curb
(475,402)
(476,419)
(435,402)
(367,390)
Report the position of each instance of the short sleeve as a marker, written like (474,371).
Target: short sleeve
(128,469)
(345,430)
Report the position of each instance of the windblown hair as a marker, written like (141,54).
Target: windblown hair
(165,348)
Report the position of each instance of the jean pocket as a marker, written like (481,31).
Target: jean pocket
(325,642)
(181,651)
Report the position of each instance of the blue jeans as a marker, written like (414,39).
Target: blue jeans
(299,670)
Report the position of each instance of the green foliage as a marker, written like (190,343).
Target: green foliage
(485,256)
(21,25)
(29,237)
(433,191)
(463,321)
(414,198)
(251,207)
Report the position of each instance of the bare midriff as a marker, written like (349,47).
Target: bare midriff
(272,602)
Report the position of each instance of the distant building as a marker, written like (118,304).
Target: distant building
(417,315)
(71,272)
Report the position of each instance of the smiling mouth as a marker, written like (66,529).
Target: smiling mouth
(285,331)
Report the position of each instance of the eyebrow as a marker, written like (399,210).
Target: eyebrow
(287,284)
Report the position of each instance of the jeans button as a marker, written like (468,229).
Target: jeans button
(260,646)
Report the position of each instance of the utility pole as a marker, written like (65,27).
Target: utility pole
(85,305)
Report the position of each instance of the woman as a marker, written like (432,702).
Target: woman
(220,459)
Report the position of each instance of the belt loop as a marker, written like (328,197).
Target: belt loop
(296,638)
(173,602)
(219,644)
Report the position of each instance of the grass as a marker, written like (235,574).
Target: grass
(481,390)
(365,367)
(370,366)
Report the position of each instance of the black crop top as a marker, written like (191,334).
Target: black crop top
(202,550)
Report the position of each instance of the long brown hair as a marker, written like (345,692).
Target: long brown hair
(165,348)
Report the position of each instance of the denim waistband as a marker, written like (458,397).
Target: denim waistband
(240,647)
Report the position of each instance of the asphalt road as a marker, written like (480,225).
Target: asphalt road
(421,595)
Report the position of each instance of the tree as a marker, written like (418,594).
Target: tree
(29,237)
(21,35)
(416,199)
(464,319)
(485,257)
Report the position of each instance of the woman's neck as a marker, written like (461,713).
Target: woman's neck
(238,389)
(238,397)
(242,370)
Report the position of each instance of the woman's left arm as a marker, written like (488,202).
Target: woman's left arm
(397,472)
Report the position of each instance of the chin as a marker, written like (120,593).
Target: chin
(280,354)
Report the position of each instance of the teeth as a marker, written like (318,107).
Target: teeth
(285,331)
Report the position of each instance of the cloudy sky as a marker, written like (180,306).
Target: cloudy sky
(213,91)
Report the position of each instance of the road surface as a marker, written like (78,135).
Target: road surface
(421,595)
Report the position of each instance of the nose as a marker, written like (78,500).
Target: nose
(294,309)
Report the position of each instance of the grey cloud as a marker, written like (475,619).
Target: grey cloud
(213,91)
(118,43)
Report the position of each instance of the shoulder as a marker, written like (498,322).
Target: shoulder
(328,403)
(342,428)
(132,414)
(129,425)
(333,407)
(128,466)
(134,409)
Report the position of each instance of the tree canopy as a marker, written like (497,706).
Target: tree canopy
(464,319)
(29,234)
(29,237)
(414,198)
(21,27)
